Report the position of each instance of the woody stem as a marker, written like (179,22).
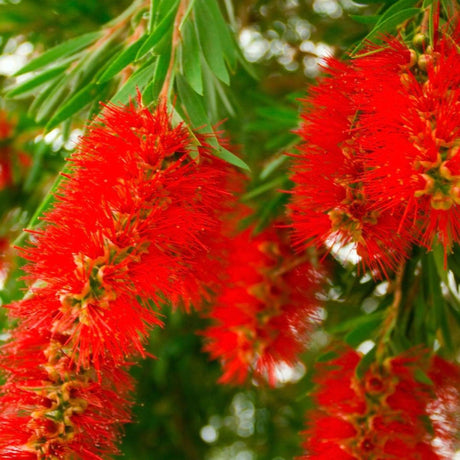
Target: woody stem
(392,311)
(176,37)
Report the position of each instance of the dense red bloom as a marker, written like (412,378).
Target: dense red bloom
(385,414)
(330,204)
(265,309)
(379,166)
(411,126)
(125,234)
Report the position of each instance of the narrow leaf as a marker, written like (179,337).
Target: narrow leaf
(153,88)
(364,19)
(74,104)
(190,58)
(160,30)
(152,15)
(121,61)
(272,166)
(371,2)
(226,38)
(43,207)
(138,80)
(395,8)
(392,22)
(262,188)
(422,377)
(440,262)
(210,39)
(365,363)
(193,104)
(36,81)
(60,51)
(364,331)
(52,100)
(189,9)
(231,158)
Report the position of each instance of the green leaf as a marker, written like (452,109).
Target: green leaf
(443,323)
(52,100)
(138,80)
(187,13)
(152,15)
(36,169)
(438,304)
(75,80)
(328,356)
(226,38)
(210,38)
(440,260)
(391,22)
(422,377)
(364,330)
(270,209)
(43,94)
(365,363)
(74,104)
(153,88)
(36,81)
(357,321)
(58,52)
(190,58)
(454,310)
(365,19)
(193,105)
(262,188)
(231,158)
(121,61)
(272,165)
(44,206)
(371,2)
(222,93)
(93,62)
(400,5)
(159,31)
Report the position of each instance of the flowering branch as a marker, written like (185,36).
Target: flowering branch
(114,243)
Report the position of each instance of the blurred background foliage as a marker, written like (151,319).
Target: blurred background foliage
(180,411)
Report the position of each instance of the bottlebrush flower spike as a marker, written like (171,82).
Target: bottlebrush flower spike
(126,229)
(330,205)
(412,125)
(386,414)
(265,309)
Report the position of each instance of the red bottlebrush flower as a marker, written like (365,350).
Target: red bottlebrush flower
(265,308)
(330,204)
(126,230)
(385,414)
(412,125)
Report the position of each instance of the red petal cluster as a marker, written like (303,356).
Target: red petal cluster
(411,122)
(125,234)
(378,167)
(265,309)
(387,413)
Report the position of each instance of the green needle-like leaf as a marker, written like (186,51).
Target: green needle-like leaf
(60,51)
